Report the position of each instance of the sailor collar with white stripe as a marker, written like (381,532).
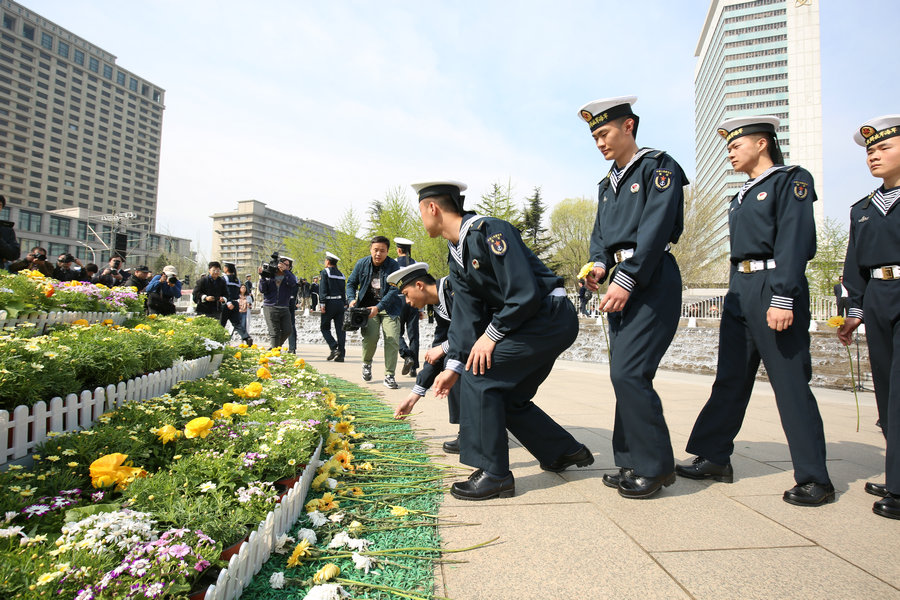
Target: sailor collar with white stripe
(330,275)
(441,308)
(885,200)
(456,249)
(750,183)
(617,175)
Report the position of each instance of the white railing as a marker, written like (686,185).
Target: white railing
(30,426)
(261,543)
(44,320)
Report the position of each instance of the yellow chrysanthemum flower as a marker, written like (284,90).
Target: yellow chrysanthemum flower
(585,270)
(263,373)
(329,571)
(254,389)
(399,511)
(237,355)
(302,550)
(167,433)
(836,321)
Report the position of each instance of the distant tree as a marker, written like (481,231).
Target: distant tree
(702,259)
(346,243)
(571,223)
(831,249)
(303,247)
(499,203)
(186,267)
(376,210)
(533,231)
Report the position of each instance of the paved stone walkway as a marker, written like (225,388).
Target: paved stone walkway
(568,536)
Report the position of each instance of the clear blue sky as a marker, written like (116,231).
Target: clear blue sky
(314,107)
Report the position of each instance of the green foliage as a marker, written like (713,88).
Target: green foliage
(346,244)
(304,249)
(571,224)
(831,249)
(499,203)
(702,251)
(534,234)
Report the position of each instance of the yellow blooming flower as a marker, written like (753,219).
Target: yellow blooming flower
(254,389)
(837,321)
(243,345)
(399,511)
(329,571)
(112,469)
(263,360)
(72,464)
(319,481)
(301,551)
(263,373)
(152,317)
(585,270)
(81,323)
(300,363)
(344,457)
(198,427)
(107,322)
(240,392)
(343,427)
(237,355)
(141,327)
(232,408)
(167,433)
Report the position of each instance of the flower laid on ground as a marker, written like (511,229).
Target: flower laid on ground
(838,322)
(399,511)
(329,571)
(277,580)
(302,550)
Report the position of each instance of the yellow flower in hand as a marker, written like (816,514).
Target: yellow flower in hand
(585,270)
(198,427)
(837,321)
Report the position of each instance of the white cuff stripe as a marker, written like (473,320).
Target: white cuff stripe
(445,346)
(419,390)
(782,302)
(855,313)
(456,366)
(493,334)
(625,280)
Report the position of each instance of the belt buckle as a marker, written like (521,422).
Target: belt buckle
(745,267)
(618,256)
(887,273)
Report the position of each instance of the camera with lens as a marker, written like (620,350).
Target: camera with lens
(172,280)
(39,256)
(116,263)
(270,269)
(68,258)
(354,318)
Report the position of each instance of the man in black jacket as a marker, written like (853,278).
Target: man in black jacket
(211,293)
(333,301)
(9,246)
(230,311)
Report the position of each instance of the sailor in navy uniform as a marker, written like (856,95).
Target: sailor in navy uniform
(511,320)
(409,316)
(421,289)
(639,214)
(766,314)
(333,301)
(872,279)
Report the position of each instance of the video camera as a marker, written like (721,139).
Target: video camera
(270,269)
(354,318)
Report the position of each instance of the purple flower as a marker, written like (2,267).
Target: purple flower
(72,492)
(97,496)
(201,565)
(36,510)
(179,550)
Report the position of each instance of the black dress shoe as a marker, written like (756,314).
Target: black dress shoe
(452,447)
(876,489)
(408,363)
(480,486)
(889,506)
(810,494)
(612,479)
(701,468)
(635,486)
(413,372)
(339,358)
(333,354)
(581,458)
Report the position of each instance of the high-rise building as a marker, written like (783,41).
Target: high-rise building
(78,133)
(757,57)
(247,235)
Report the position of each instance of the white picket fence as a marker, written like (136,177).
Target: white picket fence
(44,320)
(261,543)
(30,426)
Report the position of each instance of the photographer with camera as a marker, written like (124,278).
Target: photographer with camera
(36,260)
(64,271)
(114,274)
(9,246)
(211,293)
(368,287)
(139,278)
(163,291)
(279,288)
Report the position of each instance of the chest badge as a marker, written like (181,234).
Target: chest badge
(863,219)
(604,198)
(498,244)
(801,189)
(635,187)
(761,196)
(475,263)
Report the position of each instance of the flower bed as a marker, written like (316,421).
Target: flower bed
(30,291)
(74,357)
(144,502)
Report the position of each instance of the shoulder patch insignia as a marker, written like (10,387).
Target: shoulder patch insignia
(801,189)
(662,179)
(498,244)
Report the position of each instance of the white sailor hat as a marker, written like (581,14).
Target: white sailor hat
(288,258)
(600,112)
(403,242)
(448,187)
(332,256)
(731,129)
(877,129)
(403,277)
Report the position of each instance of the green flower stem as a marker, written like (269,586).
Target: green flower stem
(385,588)
(853,381)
